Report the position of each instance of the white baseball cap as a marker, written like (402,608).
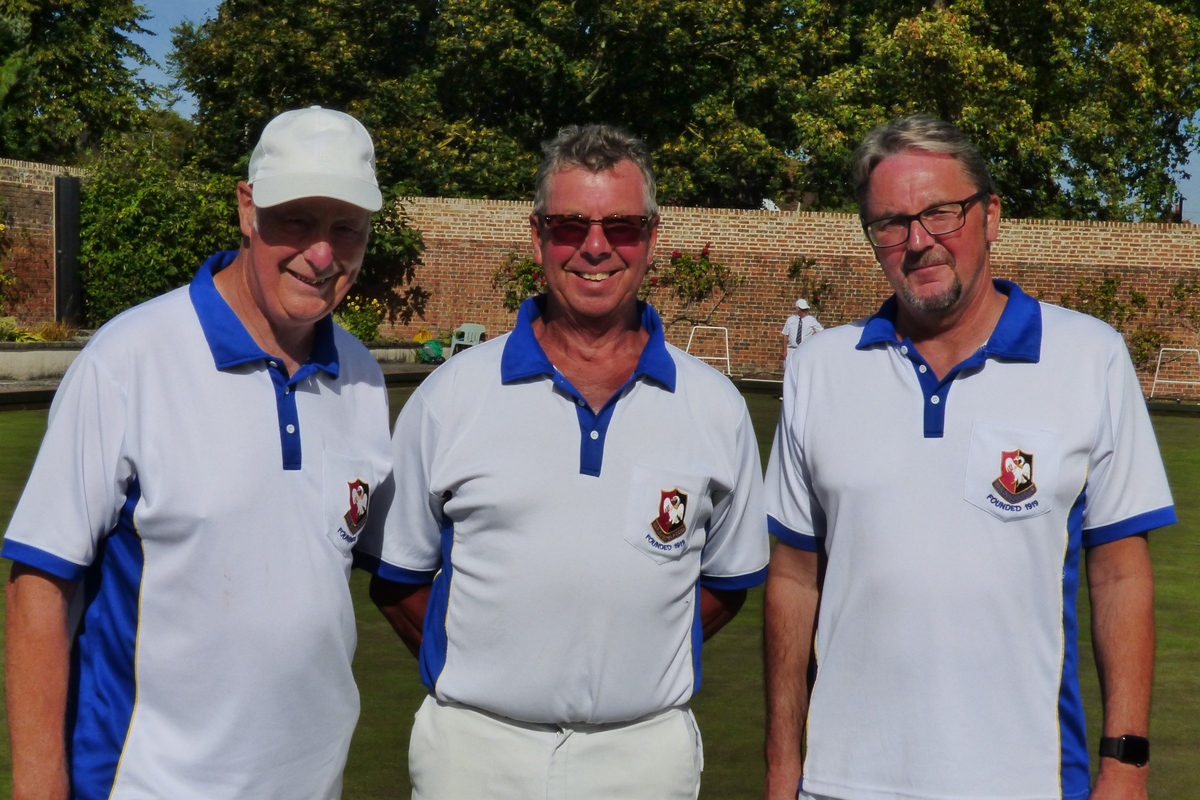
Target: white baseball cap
(802,304)
(314,152)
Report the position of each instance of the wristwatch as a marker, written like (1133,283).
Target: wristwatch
(1133,750)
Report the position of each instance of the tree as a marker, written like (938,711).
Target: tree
(149,220)
(67,76)
(1082,106)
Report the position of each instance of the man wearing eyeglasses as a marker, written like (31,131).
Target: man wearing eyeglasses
(577,506)
(937,471)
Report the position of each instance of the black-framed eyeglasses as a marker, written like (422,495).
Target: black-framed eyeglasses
(571,230)
(937,220)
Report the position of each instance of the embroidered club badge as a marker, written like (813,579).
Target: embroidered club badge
(672,508)
(1015,483)
(360,501)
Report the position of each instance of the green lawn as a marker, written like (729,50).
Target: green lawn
(729,706)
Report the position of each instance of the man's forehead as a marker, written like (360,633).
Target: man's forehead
(917,177)
(328,207)
(576,182)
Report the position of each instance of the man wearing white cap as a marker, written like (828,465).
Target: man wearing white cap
(799,326)
(179,621)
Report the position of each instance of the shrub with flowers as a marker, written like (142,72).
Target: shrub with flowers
(361,316)
(518,277)
(695,279)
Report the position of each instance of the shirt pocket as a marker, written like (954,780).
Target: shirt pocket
(666,512)
(1012,473)
(348,483)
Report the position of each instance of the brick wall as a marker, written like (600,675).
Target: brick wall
(27,205)
(467,239)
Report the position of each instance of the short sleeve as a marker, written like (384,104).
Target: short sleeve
(80,478)
(411,548)
(1127,491)
(737,549)
(793,516)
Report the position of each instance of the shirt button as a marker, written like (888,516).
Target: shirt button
(581,402)
(273,364)
(903,350)
(595,435)
(935,399)
(288,389)
(922,369)
(292,428)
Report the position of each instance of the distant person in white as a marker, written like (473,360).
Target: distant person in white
(577,506)
(799,327)
(179,620)
(921,635)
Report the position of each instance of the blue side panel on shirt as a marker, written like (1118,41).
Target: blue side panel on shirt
(697,643)
(104,679)
(1072,727)
(433,640)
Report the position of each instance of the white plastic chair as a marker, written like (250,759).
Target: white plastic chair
(466,335)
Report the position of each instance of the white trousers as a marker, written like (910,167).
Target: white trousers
(461,753)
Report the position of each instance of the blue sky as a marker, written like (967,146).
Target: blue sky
(165,14)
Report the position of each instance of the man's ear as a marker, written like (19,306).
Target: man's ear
(535,238)
(246,211)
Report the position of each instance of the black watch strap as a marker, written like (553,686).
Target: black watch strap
(1133,750)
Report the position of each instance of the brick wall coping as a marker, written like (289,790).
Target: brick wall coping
(1185,227)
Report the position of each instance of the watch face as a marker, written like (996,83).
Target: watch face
(1134,750)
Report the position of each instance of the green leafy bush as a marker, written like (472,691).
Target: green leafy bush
(389,268)
(147,224)
(361,316)
(518,277)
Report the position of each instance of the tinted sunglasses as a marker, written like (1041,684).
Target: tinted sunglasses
(571,230)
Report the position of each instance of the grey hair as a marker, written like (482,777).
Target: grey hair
(597,147)
(916,132)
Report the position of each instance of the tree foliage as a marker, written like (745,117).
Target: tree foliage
(67,76)
(148,221)
(1082,106)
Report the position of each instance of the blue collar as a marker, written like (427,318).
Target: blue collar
(227,337)
(524,357)
(1017,337)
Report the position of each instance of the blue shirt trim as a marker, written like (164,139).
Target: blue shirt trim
(800,541)
(1017,337)
(734,582)
(1141,523)
(232,345)
(40,559)
(390,572)
(524,358)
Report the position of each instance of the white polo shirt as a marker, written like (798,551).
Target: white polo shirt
(209,503)
(953,513)
(567,548)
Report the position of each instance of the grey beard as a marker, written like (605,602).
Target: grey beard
(935,304)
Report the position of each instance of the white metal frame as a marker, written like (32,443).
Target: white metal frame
(724,332)
(1154,386)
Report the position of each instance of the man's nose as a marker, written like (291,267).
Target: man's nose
(596,243)
(319,254)
(918,237)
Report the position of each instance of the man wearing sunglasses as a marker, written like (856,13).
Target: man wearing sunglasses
(937,472)
(577,506)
